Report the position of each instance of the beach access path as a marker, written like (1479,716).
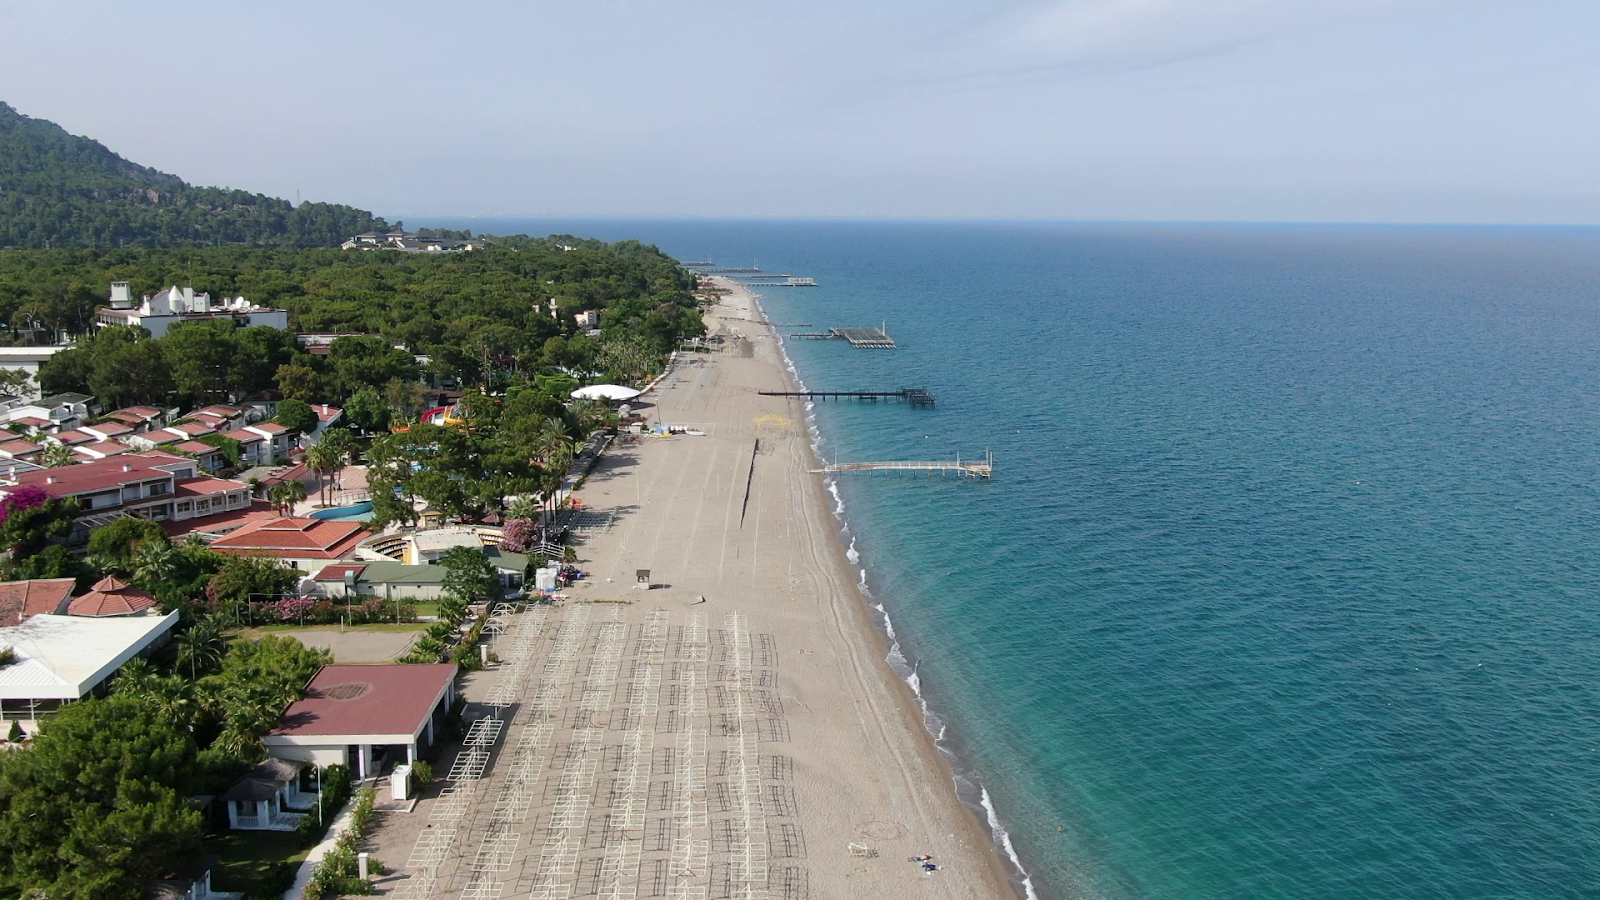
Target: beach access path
(664,745)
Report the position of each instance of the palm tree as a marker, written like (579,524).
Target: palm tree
(296,493)
(137,676)
(284,496)
(201,646)
(154,562)
(323,459)
(54,456)
(342,444)
(589,415)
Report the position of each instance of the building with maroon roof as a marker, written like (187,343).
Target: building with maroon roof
(22,600)
(100,449)
(211,459)
(111,596)
(20,448)
(190,429)
(107,431)
(278,440)
(154,485)
(252,447)
(377,714)
(141,418)
(307,544)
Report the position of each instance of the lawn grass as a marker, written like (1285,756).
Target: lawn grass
(248,858)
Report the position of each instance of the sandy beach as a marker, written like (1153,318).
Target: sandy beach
(750,743)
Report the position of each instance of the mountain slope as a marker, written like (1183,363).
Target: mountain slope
(60,190)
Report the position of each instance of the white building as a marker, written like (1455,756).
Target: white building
(28,359)
(63,658)
(176,304)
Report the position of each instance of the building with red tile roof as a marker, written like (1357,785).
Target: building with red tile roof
(253,448)
(73,436)
(22,600)
(138,484)
(141,418)
(394,710)
(21,448)
(190,429)
(277,437)
(111,596)
(308,544)
(100,449)
(107,431)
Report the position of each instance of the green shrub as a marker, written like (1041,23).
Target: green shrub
(16,734)
(338,875)
(421,775)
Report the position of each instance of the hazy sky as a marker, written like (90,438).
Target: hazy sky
(1338,110)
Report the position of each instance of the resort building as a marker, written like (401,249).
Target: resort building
(52,414)
(307,544)
(159,313)
(365,716)
(190,882)
(277,438)
(100,450)
(111,596)
(387,580)
(211,459)
(252,447)
(139,418)
(22,600)
(20,448)
(106,430)
(327,417)
(273,797)
(64,658)
(28,359)
(409,242)
(219,417)
(157,486)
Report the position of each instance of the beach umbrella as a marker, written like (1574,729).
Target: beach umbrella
(605,392)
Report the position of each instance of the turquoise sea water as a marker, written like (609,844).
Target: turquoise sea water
(1286,585)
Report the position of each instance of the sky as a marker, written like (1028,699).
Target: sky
(1209,110)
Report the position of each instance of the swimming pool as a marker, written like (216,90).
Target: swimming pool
(357,512)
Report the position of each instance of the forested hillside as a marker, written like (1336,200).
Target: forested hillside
(60,190)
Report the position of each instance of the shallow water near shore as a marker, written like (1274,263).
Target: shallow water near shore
(1286,585)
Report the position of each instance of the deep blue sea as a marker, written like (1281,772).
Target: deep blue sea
(1288,581)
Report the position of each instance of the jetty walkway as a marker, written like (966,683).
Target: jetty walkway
(983,469)
(917,397)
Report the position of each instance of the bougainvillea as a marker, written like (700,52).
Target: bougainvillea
(519,535)
(26,497)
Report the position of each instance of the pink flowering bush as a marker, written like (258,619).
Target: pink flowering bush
(519,534)
(26,497)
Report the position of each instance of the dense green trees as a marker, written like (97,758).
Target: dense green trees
(59,190)
(477,316)
(202,362)
(97,805)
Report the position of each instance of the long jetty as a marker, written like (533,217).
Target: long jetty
(870,338)
(917,397)
(983,469)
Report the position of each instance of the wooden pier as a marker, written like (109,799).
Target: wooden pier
(983,469)
(869,338)
(917,397)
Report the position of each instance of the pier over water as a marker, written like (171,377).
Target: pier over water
(983,469)
(917,397)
